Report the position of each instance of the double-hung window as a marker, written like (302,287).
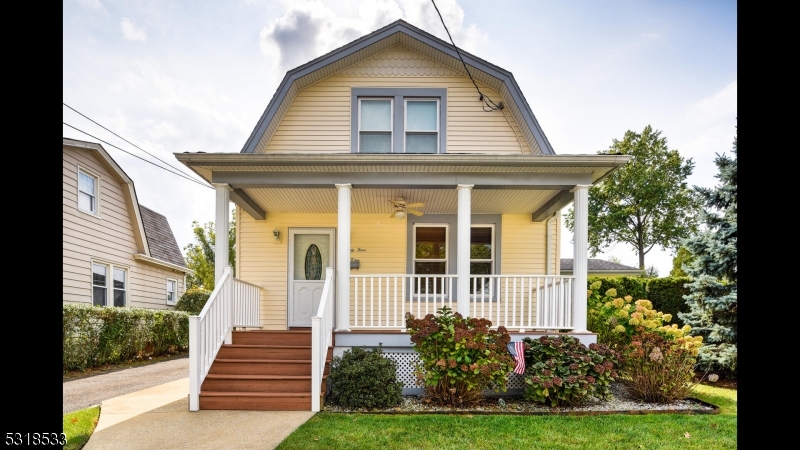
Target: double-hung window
(87,192)
(109,285)
(481,257)
(430,257)
(398,120)
(172,291)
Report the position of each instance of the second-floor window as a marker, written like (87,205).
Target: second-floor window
(398,120)
(87,192)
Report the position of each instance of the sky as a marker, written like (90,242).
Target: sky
(188,76)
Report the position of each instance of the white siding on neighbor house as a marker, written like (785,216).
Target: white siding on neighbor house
(318,119)
(106,238)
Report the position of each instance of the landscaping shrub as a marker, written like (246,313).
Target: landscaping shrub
(615,319)
(193,300)
(95,335)
(659,367)
(667,295)
(459,357)
(364,379)
(561,370)
(636,287)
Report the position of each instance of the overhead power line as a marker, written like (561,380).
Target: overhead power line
(137,156)
(129,142)
(487,102)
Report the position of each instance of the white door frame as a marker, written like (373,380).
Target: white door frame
(290,269)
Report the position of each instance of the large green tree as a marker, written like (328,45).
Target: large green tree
(645,203)
(200,255)
(712,297)
(682,259)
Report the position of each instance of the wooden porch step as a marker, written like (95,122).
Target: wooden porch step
(257,383)
(257,401)
(263,367)
(272,337)
(285,352)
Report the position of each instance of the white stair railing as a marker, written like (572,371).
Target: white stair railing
(321,338)
(233,303)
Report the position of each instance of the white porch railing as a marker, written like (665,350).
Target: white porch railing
(321,338)
(233,303)
(517,302)
(381,301)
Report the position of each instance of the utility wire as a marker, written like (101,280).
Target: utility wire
(129,142)
(487,102)
(137,156)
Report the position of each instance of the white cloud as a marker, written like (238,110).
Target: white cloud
(310,28)
(131,32)
(653,36)
(91,4)
(717,106)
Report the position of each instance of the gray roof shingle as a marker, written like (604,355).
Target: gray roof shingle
(596,264)
(160,239)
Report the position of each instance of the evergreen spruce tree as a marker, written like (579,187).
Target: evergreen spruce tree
(712,299)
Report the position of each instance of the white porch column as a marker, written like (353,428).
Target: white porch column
(221,228)
(462,246)
(343,258)
(580,255)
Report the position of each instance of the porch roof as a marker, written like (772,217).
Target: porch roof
(304,183)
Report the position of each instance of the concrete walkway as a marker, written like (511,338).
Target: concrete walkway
(159,418)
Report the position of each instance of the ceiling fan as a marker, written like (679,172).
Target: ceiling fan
(401,208)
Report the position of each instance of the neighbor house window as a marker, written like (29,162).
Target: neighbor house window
(109,285)
(430,256)
(422,126)
(375,125)
(87,192)
(481,257)
(172,291)
(398,120)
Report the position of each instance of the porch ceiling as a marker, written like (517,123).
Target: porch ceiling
(437,201)
(305,183)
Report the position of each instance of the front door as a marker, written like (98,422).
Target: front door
(310,252)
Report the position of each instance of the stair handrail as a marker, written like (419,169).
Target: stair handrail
(321,338)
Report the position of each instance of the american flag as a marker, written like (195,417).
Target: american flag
(517,350)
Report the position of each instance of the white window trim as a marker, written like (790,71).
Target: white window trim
(96,177)
(110,281)
(175,296)
(391,121)
(414,259)
(405,120)
(492,270)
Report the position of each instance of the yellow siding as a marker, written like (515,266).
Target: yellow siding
(105,238)
(264,262)
(319,118)
(523,246)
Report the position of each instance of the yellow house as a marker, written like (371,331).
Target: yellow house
(384,177)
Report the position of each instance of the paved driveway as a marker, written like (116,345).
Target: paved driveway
(85,392)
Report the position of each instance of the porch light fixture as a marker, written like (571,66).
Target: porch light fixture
(399,214)
(276,235)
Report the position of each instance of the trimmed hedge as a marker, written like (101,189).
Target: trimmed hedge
(666,294)
(193,300)
(95,335)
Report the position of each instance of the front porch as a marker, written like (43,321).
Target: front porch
(507,274)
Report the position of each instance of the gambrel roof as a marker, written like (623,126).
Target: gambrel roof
(398,32)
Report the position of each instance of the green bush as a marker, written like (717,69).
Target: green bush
(364,379)
(95,335)
(636,287)
(667,295)
(193,300)
(561,370)
(459,357)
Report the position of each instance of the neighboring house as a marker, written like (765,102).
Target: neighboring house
(601,268)
(374,184)
(116,252)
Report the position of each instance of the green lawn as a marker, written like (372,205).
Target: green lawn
(79,425)
(652,431)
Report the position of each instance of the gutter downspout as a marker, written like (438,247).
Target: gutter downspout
(549,243)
